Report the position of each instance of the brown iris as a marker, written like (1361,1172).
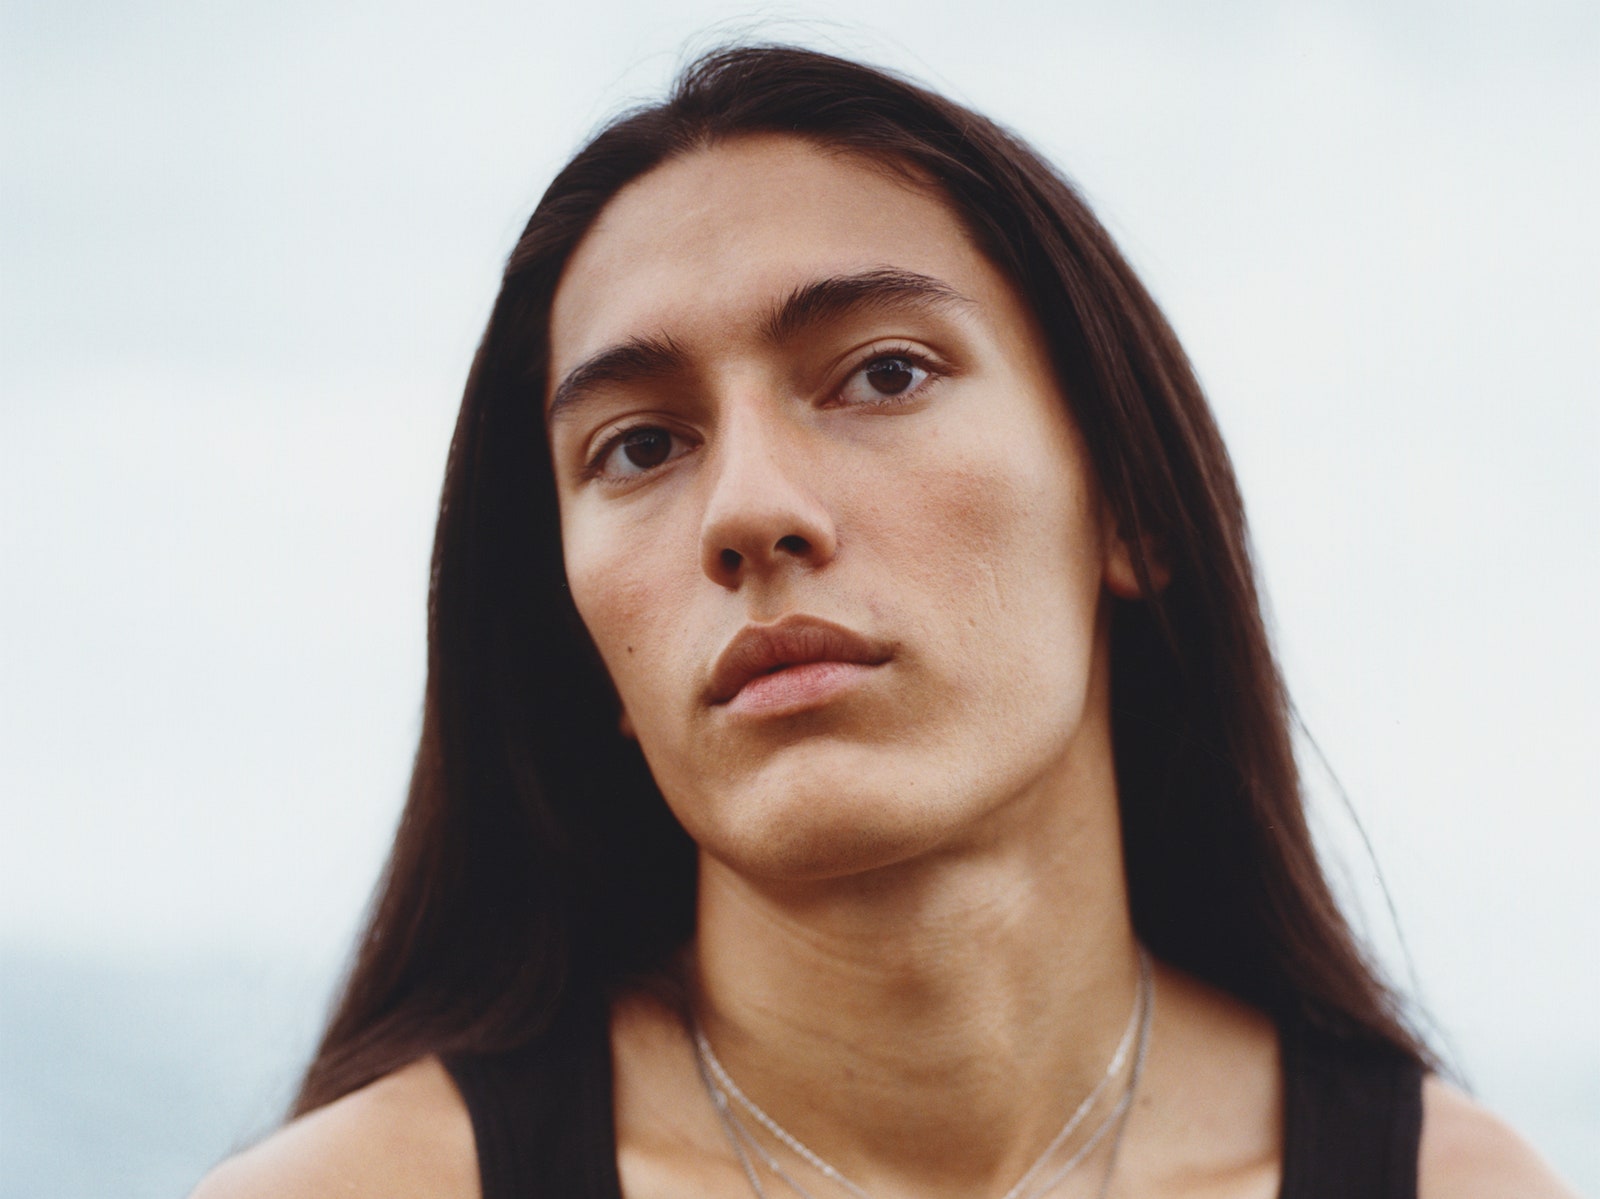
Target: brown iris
(645,448)
(890,376)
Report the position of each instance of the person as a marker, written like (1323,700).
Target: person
(853,760)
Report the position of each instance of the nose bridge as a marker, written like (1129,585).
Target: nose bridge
(761,511)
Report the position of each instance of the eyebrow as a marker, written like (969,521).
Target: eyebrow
(640,359)
(829,299)
(633,361)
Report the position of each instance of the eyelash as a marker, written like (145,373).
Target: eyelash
(932,373)
(596,466)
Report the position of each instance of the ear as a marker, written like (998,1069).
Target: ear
(1121,575)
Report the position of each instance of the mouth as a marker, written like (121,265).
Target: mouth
(794,663)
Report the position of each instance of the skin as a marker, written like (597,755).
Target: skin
(958,523)
(913,945)
(920,519)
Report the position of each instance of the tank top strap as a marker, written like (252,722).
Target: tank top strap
(1352,1119)
(542,1114)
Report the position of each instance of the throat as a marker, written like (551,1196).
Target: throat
(1095,1125)
(930,1043)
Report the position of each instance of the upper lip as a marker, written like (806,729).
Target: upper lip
(793,641)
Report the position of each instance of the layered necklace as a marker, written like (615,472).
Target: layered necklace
(1035,1182)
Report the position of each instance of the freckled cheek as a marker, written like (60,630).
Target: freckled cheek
(989,553)
(951,527)
(626,601)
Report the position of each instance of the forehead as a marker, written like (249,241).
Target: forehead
(702,244)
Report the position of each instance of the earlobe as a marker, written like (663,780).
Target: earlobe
(1122,575)
(625,725)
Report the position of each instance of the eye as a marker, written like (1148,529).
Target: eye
(634,452)
(886,379)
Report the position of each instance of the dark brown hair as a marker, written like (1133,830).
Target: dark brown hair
(536,865)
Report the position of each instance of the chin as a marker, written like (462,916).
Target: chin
(818,823)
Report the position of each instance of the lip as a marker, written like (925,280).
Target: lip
(835,655)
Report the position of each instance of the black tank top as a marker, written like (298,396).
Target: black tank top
(542,1117)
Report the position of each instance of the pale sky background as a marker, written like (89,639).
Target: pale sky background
(246,251)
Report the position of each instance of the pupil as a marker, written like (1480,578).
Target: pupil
(889,376)
(647,447)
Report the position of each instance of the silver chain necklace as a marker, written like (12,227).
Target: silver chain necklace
(721,1088)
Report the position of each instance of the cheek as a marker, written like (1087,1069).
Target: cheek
(1003,544)
(996,561)
(958,530)
(625,597)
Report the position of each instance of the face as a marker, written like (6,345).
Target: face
(824,512)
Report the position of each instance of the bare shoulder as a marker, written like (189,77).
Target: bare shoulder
(1468,1152)
(406,1135)
(1209,1111)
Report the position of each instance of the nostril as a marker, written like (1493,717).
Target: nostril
(794,544)
(730,560)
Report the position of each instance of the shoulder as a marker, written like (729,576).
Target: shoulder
(406,1135)
(1468,1153)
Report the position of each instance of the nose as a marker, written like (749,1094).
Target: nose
(762,515)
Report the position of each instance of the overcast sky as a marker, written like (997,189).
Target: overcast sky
(246,251)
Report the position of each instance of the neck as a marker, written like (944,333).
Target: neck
(927,1027)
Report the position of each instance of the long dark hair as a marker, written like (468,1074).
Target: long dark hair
(537,867)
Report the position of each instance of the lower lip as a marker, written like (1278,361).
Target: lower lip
(796,688)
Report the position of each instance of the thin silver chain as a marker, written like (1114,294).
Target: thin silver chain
(1124,1110)
(744,1143)
(725,1084)
(1124,1107)
(1141,1003)
(720,1086)
(737,1136)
